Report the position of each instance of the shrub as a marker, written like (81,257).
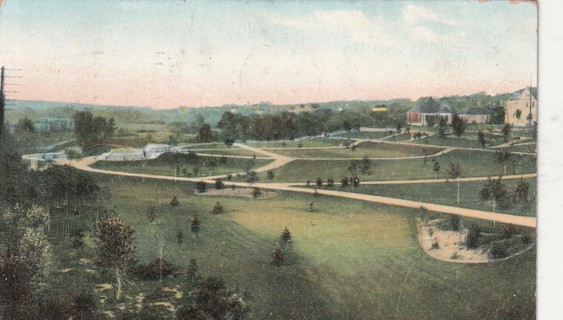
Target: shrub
(454,222)
(472,238)
(154,269)
(435,244)
(355,181)
(330,182)
(77,239)
(509,230)
(278,258)
(498,250)
(319,182)
(219,184)
(527,237)
(229,177)
(174,202)
(308,183)
(256,192)
(344,182)
(286,235)
(218,208)
(201,186)
(270,174)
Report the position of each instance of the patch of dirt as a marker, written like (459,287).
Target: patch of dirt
(451,245)
(239,192)
(177,293)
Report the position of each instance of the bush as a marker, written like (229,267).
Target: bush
(344,182)
(472,238)
(174,202)
(278,258)
(256,192)
(286,235)
(498,250)
(527,237)
(509,230)
(201,186)
(435,244)
(270,175)
(219,184)
(330,182)
(229,177)
(218,208)
(153,269)
(454,222)
(319,182)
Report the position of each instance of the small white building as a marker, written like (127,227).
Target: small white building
(153,150)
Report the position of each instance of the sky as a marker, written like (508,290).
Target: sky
(166,54)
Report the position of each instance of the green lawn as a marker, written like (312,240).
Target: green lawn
(230,152)
(318,142)
(159,167)
(365,134)
(446,194)
(347,260)
(529,148)
(371,149)
(473,163)
(465,141)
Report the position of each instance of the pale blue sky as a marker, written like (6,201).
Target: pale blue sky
(170,53)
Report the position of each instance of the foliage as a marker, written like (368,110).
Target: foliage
(195,224)
(278,257)
(495,190)
(174,202)
(155,269)
(270,175)
(365,166)
(286,235)
(205,134)
(454,222)
(498,250)
(458,125)
(256,192)
(506,132)
(330,182)
(472,237)
(319,182)
(88,128)
(481,138)
(201,186)
(218,208)
(219,184)
(344,182)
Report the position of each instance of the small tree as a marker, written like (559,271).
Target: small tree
(355,181)
(219,184)
(330,182)
(286,235)
(506,132)
(365,166)
(201,186)
(495,190)
(344,182)
(270,175)
(481,137)
(442,127)
(278,257)
(319,182)
(151,213)
(521,194)
(180,236)
(454,222)
(436,168)
(472,237)
(458,125)
(256,192)
(252,177)
(504,157)
(218,208)
(455,172)
(114,246)
(195,225)
(229,142)
(174,202)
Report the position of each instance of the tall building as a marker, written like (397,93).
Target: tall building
(523,109)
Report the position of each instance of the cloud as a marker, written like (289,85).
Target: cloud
(427,34)
(354,24)
(414,14)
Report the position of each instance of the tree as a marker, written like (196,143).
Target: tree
(442,127)
(256,192)
(521,194)
(114,246)
(229,142)
(319,182)
(205,134)
(219,184)
(472,237)
(278,258)
(344,182)
(252,177)
(495,190)
(195,225)
(455,172)
(365,166)
(24,126)
(504,157)
(286,235)
(270,175)
(458,125)
(506,132)
(201,186)
(481,137)
(353,168)
(454,222)
(436,168)
(218,208)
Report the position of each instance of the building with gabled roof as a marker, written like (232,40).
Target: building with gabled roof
(428,112)
(476,115)
(522,110)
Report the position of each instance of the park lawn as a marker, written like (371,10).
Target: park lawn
(446,194)
(229,152)
(370,149)
(347,259)
(473,164)
(465,141)
(317,142)
(210,145)
(529,148)
(159,167)
(366,134)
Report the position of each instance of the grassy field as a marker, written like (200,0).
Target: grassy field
(465,141)
(530,148)
(365,134)
(319,142)
(446,194)
(230,152)
(159,167)
(372,150)
(347,260)
(473,163)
